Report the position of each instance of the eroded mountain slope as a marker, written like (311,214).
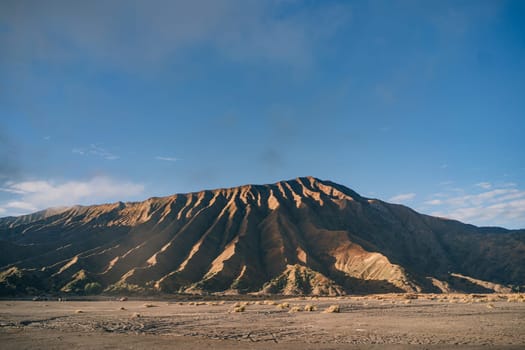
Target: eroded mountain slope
(303,236)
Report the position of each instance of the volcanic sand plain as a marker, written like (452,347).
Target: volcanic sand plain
(394,321)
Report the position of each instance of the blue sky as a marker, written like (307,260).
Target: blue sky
(414,102)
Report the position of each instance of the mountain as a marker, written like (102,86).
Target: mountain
(303,236)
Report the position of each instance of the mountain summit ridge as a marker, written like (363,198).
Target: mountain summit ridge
(301,236)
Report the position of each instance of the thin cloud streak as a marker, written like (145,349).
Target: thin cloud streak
(97,151)
(434,202)
(401,198)
(167,159)
(484,185)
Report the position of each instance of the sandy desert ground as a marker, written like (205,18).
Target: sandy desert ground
(370,322)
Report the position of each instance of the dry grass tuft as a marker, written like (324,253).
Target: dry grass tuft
(490,306)
(310,308)
(515,298)
(270,302)
(493,298)
(241,308)
(332,309)
(283,306)
(410,296)
(149,305)
(295,309)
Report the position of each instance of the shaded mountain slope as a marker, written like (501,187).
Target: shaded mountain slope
(303,236)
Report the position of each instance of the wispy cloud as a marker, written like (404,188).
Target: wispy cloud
(167,159)
(402,198)
(30,196)
(97,151)
(239,30)
(509,184)
(484,185)
(11,190)
(493,206)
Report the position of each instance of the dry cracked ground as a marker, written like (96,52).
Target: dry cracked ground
(381,321)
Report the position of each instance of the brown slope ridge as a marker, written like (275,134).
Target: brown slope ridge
(303,236)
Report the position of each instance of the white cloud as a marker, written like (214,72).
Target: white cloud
(11,190)
(404,197)
(484,185)
(24,206)
(484,197)
(30,196)
(497,206)
(434,202)
(167,159)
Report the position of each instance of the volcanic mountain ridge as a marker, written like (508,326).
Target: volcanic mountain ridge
(299,237)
